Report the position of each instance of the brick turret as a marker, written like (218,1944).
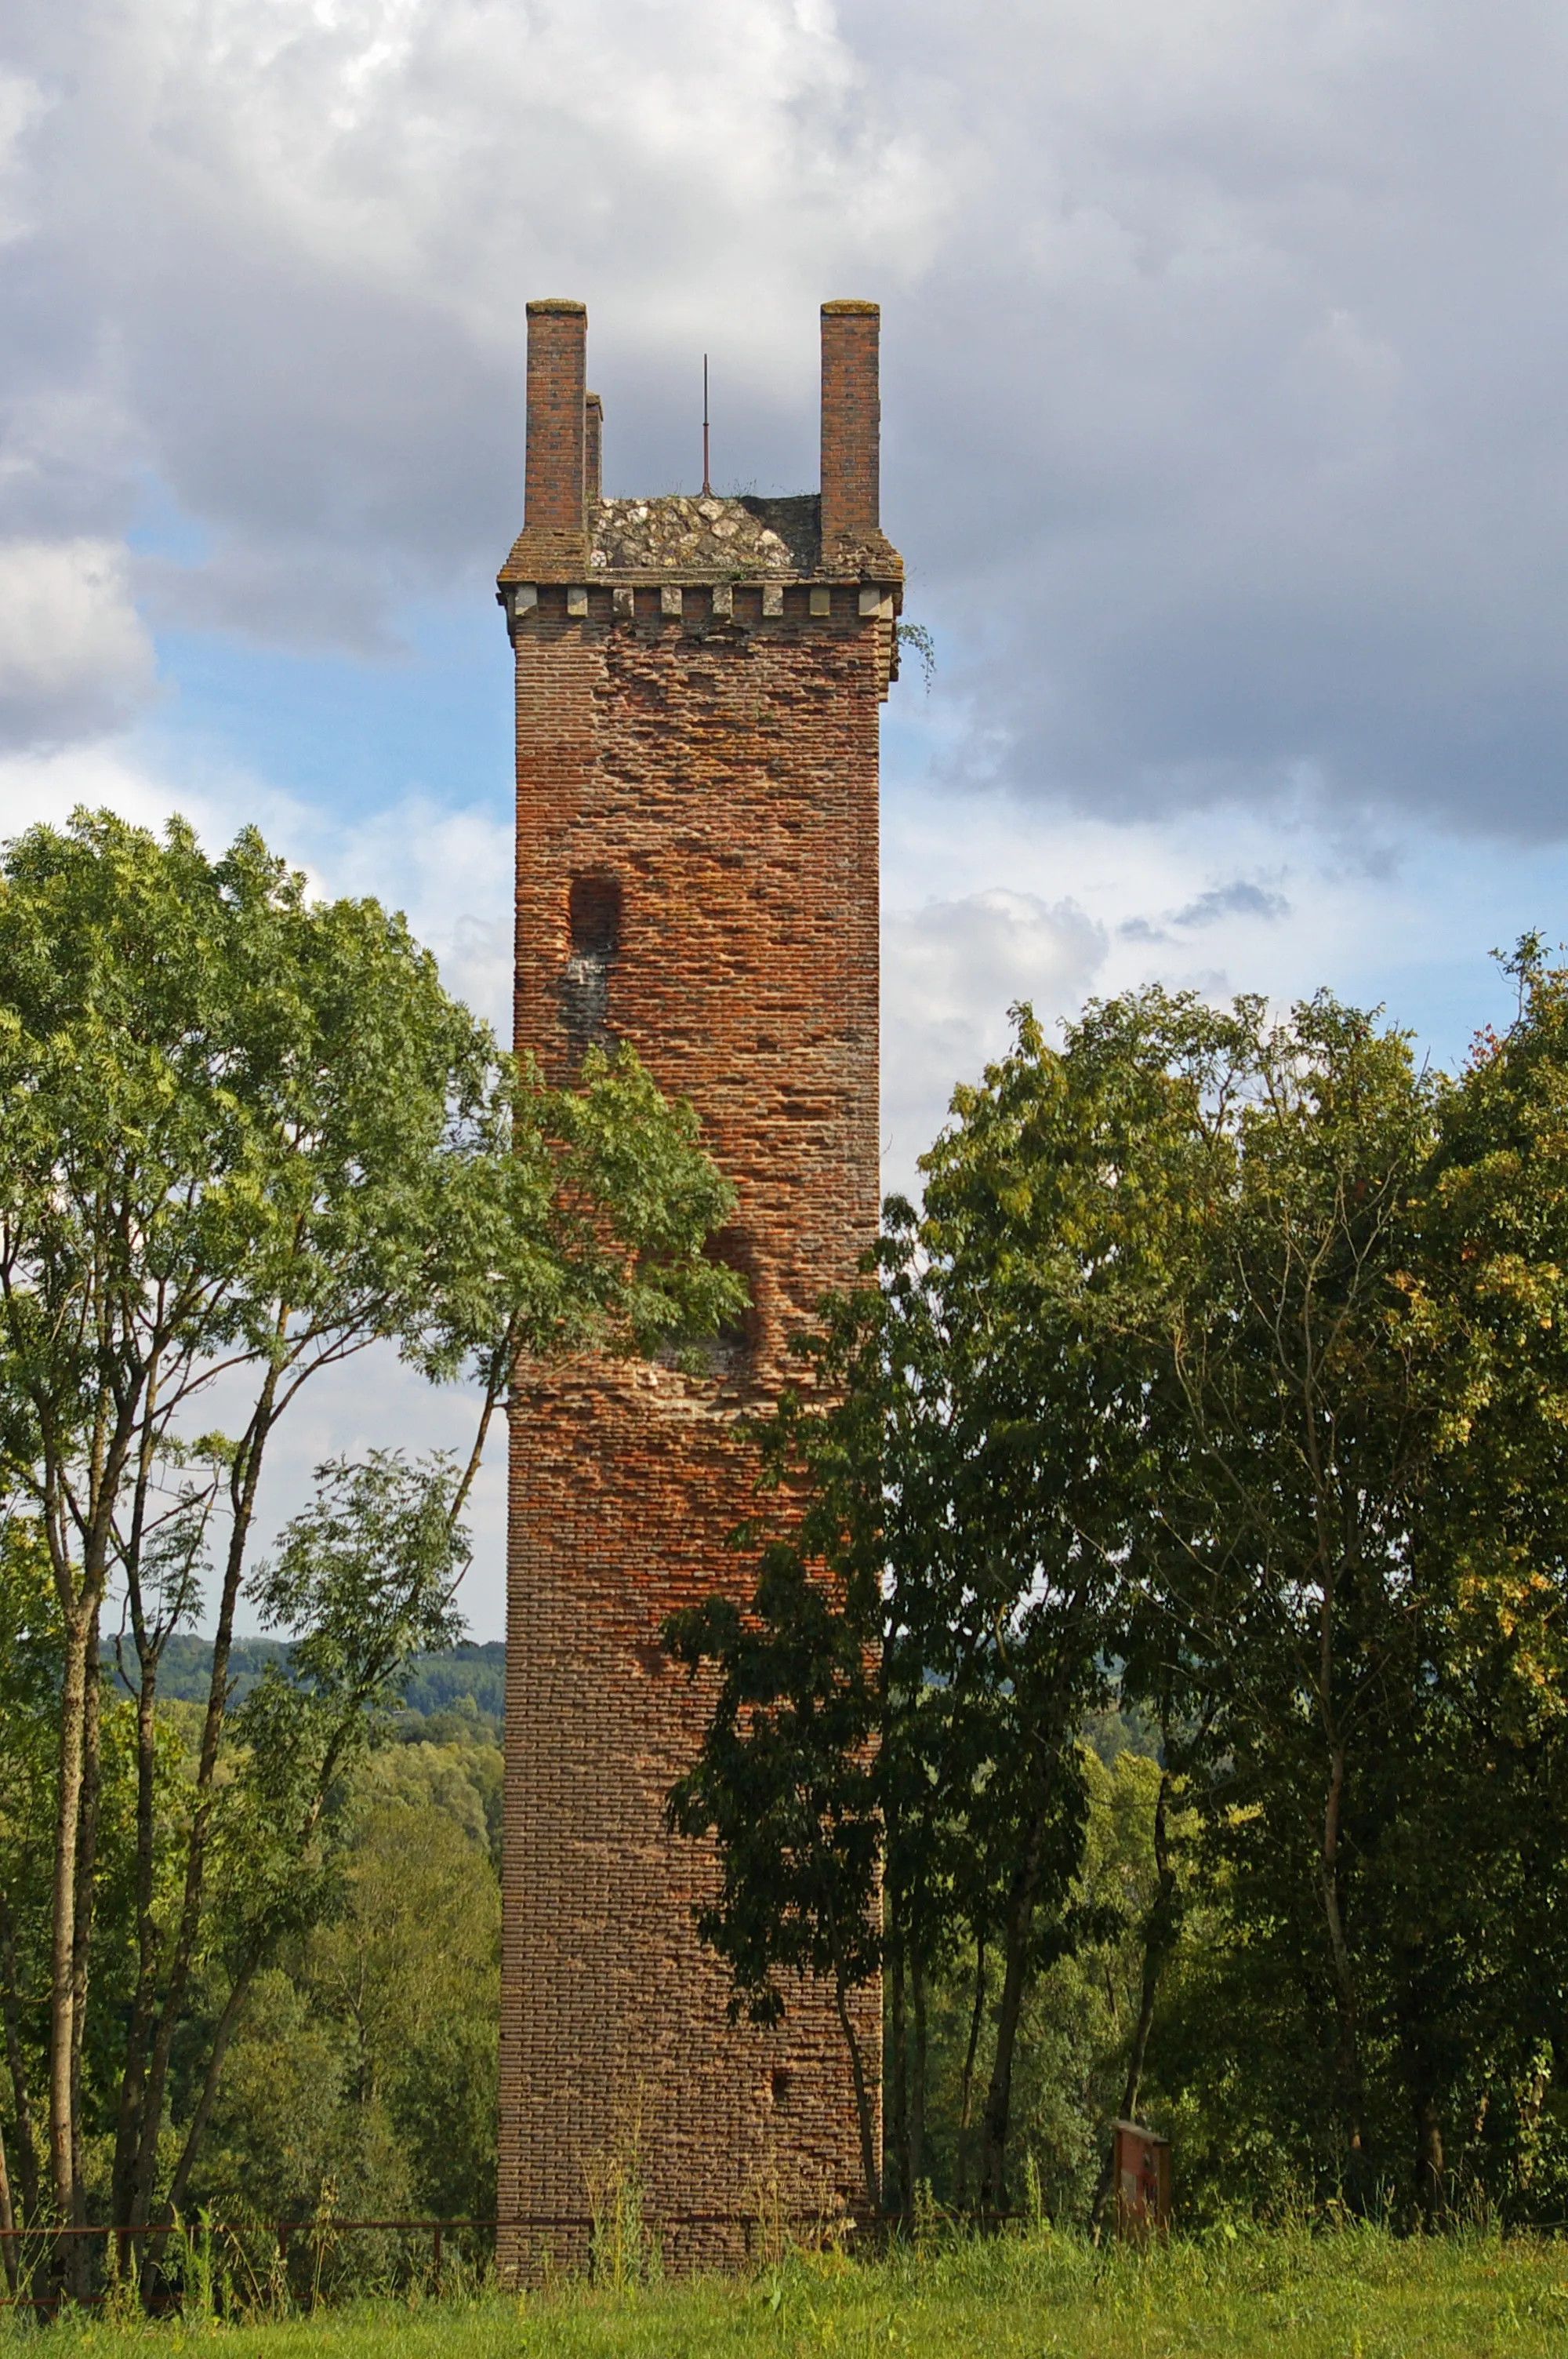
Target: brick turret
(851,426)
(554,505)
(698,685)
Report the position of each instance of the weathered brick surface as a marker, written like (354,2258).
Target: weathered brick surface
(696,804)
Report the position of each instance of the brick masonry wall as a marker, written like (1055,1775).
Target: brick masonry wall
(723,777)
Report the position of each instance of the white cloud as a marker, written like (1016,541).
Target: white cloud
(950,971)
(1283,906)
(316,337)
(1224,368)
(21,104)
(74,657)
(450,871)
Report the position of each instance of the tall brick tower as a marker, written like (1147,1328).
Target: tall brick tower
(698,684)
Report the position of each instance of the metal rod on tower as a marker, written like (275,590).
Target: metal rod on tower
(707,486)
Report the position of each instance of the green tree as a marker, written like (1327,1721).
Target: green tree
(962,1482)
(1060,1219)
(245,1134)
(1297,1440)
(362,2071)
(1475,1908)
(1227,1349)
(1357,1376)
(387,2009)
(1083,2011)
(786,1777)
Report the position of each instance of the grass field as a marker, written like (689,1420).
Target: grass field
(1353,2294)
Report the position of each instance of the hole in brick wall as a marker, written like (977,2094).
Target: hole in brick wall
(594,905)
(780,2080)
(593,911)
(723,1355)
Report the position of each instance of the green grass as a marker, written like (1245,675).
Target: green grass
(1357,2293)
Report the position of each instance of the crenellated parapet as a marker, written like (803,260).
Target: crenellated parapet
(707,563)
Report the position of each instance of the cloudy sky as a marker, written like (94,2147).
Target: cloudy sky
(1226,437)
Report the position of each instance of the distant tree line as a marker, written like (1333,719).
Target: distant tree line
(467,1678)
(1212,1411)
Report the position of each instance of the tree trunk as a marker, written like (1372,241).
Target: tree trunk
(62,1943)
(79,1590)
(1429,2170)
(243,1494)
(918,2079)
(1478,2120)
(1348,2045)
(1420,2059)
(149,1649)
(862,2097)
(857,2069)
(133,2081)
(27,2144)
(262,1941)
(1016,1929)
(995,2118)
(1159,1939)
(196,2129)
(7,2219)
(227,2022)
(86,1863)
(967,2075)
(903,2183)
